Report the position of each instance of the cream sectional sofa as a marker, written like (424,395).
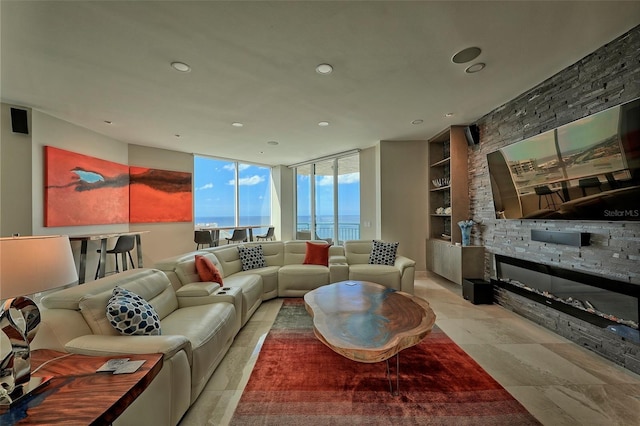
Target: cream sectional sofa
(199,320)
(285,274)
(197,331)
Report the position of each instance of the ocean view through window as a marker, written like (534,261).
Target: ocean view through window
(328,199)
(230,193)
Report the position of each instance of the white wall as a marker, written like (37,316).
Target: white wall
(369,190)
(403,197)
(15,176)
(282,202)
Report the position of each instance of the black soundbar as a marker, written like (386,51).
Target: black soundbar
(567,238)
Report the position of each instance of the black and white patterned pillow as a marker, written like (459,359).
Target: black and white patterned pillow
(131,315)
(251,257)
(383,253)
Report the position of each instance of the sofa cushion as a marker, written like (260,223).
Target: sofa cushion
(207,271)
(251,257)
(317,254)
(383,253)
(388,276)
(150,284)
(251,286)
(296,280)
(131,315)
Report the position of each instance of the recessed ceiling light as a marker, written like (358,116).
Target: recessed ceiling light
(180,66)
(466,55)
(417,122)
(323,123)
(475,68)
(237,124)
(176,135)
(449,114)
(272,143)
(108,121)
(324,69)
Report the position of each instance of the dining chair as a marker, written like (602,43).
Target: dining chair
(124,244)
(270,235)
(203,237)
(238,236)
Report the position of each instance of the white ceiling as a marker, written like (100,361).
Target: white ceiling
(254,62)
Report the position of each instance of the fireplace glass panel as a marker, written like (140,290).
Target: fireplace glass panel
(593,297)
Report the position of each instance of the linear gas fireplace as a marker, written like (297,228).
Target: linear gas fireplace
(596,312)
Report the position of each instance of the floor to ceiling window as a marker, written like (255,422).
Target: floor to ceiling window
(230,193)
(328,199)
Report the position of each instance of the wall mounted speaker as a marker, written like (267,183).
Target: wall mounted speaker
(19,121)
(572,238)
(472,133)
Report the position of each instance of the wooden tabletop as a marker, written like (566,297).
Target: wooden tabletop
(368,322)
(77,394)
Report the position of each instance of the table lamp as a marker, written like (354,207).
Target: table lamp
(28,265)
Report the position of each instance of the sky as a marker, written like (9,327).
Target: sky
(214,183)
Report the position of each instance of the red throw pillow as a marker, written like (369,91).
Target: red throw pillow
(207,271)
(317,254)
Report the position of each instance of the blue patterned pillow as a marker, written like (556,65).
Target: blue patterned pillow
(383,253)
(131,315)
(251,257)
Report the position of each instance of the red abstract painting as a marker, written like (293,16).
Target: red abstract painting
(159,196)
(83,190)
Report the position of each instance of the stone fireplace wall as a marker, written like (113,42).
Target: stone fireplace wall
(607,77)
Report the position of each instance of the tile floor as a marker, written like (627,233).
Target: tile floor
(559,382)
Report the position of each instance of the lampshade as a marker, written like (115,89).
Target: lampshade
(30,265)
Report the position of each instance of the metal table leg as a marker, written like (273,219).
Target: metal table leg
(103,257)
(139,250)
(83,262)
(397,391)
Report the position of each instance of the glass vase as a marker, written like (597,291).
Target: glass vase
(466,235)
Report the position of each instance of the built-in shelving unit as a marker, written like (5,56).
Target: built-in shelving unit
(448,165)
(449,191)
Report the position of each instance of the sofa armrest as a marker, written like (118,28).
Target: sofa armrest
(407,269)
(198,289)
(403,263)
(104,345)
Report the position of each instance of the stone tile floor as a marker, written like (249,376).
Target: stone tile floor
(559,382)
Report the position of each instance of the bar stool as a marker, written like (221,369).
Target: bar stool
(124,244)
(592,182)
(547,193)
(239,235)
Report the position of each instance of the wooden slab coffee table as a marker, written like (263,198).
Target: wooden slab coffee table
(368,322)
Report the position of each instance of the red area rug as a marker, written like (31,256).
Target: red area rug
(297,380)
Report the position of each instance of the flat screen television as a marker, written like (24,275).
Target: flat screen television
(588,169)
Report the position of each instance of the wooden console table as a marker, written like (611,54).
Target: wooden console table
(77,394)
